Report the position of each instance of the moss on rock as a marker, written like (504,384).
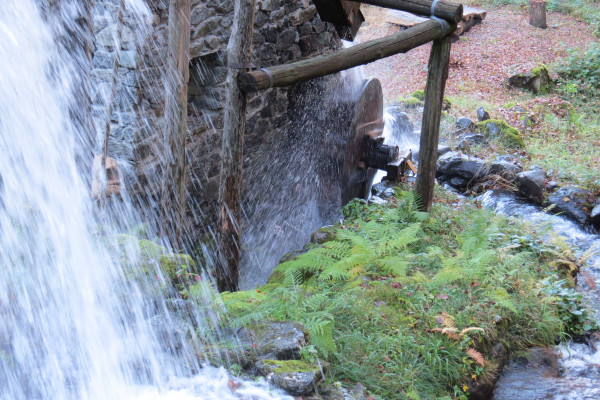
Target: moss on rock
(242,303)
(141,257)
(419,94)
(501,130)
(289,366)
(413,102)
(543,74)
(324,235)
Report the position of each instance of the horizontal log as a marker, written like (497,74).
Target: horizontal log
(442,9)
(301,71)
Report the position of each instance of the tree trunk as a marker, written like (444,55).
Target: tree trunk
(173,189)
(430,132)
(239,51)
(537,13)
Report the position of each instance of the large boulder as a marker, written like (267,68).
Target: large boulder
(528,376)
(506,169)
(595,216)
(532,184)
(298,378)
(459,170)
(274,340)
(537,80)
(573,202)
(464,124)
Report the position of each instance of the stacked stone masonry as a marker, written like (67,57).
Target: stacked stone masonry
(285,30)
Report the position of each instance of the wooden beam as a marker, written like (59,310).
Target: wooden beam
(300,71)
(239,51)
(178,61)
(441,9)
(430,132)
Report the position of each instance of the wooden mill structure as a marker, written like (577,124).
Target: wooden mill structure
(441,21)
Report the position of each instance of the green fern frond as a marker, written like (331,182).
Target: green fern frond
(335,249)
(334,274)
(401,239)
(396,265)
(501,297)
(321,334)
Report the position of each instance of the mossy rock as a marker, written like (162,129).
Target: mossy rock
(419,94)
(500,129)
(324,235)
(243,302)
(140,258)
(288,366)
(298,378)
(413,102)
(536,81)
(545,80)
(446,103)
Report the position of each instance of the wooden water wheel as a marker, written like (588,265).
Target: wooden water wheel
(366,123)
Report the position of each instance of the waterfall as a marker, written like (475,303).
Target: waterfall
(72,323)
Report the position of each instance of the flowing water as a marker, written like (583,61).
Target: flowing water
(578,370)
(72,325)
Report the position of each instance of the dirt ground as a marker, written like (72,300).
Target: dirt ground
(503,45)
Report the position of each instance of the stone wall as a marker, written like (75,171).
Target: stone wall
(285,30)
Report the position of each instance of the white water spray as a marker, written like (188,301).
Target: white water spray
(71,325)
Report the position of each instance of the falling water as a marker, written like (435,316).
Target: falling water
(72,326)
(301,183)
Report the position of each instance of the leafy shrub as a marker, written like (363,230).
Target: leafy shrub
(582,70)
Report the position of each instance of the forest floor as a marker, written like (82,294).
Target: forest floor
(504,44)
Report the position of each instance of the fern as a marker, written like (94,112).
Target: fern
(394,265)
(501,297)
(321,334)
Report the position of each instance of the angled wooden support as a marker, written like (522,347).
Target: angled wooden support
(239,51)
(441,9)
(439,61)
(301,71)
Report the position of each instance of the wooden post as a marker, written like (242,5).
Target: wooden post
(300,71)
(239,51)
(178,63)
(451,12)
(434,93)
(537,13)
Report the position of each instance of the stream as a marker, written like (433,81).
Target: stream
(575,374)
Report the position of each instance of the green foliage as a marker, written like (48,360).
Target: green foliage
(571,308)
(566,145)
(580,74)
(355,209)
(397,299)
